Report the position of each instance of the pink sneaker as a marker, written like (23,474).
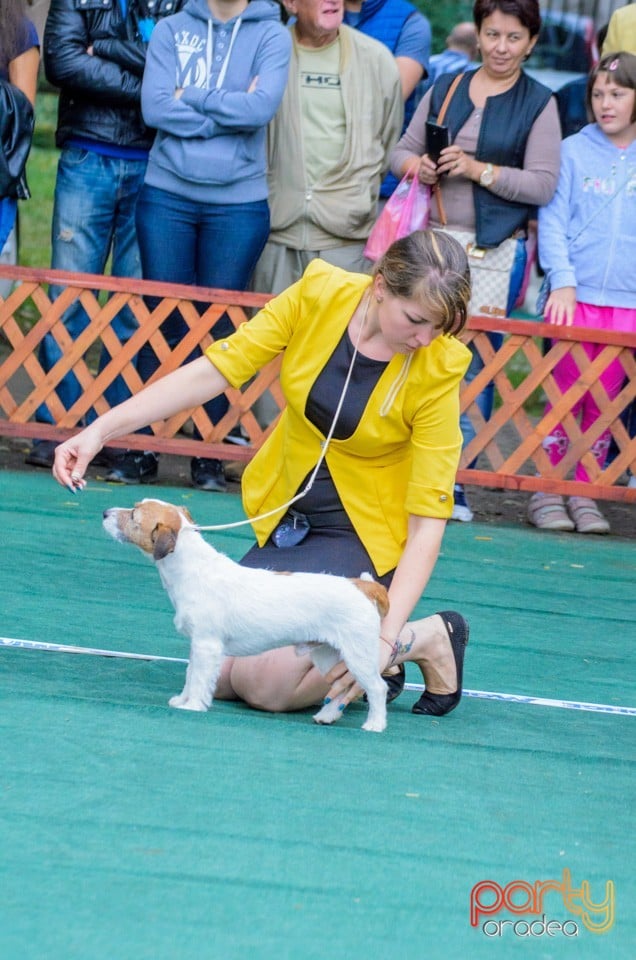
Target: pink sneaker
(547,512)
(587,516)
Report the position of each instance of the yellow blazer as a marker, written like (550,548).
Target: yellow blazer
(403,456)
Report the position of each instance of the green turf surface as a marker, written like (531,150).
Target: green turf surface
(133,831)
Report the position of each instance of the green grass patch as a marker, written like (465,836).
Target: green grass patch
(443,17)
(517,370)
(36,213)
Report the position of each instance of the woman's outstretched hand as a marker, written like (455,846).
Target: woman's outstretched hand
(73,457)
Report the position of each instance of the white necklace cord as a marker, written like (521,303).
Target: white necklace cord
(325,445)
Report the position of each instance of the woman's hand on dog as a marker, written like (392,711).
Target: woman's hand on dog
(342,685)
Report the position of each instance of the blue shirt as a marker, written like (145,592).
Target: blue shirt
(449,61)
(26,40)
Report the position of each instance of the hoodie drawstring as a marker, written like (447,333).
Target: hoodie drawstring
(208,56)
(221,78)
(210,50)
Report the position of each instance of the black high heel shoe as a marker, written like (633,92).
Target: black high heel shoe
(439,704)
(394,684)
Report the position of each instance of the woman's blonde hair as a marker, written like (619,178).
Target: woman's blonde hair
(432,267)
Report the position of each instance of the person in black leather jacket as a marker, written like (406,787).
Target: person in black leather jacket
(94,51)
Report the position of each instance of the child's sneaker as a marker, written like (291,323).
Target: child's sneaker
(547,512)
(587,516)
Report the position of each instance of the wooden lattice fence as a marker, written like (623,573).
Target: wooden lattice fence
(509,445)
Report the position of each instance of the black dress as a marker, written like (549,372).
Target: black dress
(331,544)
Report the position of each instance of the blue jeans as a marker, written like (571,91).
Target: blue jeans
(486,398)
(201,244)
(93,216)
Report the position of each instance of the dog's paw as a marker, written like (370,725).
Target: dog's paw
(181,702)
(178,700)
(328,713)
(374,726)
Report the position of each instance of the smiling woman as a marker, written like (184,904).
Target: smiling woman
(374,475)
(502,162)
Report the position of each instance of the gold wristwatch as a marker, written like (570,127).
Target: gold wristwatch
(487,176)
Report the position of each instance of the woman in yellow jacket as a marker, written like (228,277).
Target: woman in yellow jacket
(379,498)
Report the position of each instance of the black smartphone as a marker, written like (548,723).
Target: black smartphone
(437,137)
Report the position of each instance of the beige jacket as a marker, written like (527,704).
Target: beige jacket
(342,206)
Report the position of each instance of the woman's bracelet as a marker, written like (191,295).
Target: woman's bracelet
(399,646)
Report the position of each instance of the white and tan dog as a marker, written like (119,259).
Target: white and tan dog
(226,609)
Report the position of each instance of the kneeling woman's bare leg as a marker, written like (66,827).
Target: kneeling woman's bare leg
(426,642)
(281,681)
(278,681)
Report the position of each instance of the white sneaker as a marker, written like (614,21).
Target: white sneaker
(461,510)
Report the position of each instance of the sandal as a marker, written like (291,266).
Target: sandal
(547,512)
(587,516)
(439,704)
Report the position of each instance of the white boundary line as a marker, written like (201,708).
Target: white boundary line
(541,702)
(478,694)
(90,651)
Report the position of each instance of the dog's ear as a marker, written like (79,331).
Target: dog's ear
(187,514)
(164,540)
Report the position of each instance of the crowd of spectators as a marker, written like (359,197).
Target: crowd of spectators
(229,143)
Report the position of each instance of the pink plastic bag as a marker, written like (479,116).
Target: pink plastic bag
(406,210)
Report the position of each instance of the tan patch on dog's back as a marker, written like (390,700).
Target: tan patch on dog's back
(375,592)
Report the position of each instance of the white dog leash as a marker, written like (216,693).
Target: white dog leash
(325,445)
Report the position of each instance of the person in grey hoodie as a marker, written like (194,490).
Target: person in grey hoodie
(215,75)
